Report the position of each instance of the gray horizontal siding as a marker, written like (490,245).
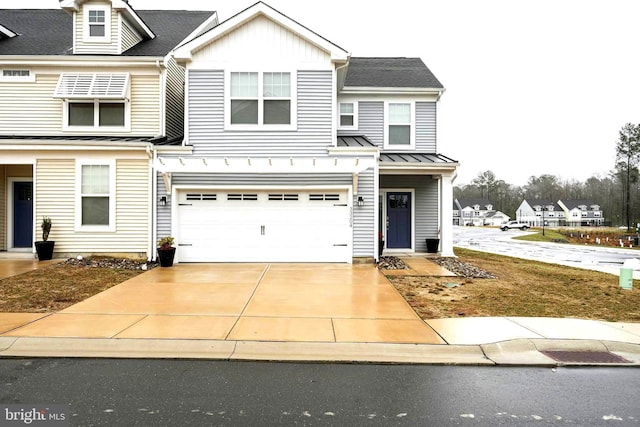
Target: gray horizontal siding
(364,217)
(425,203)
(371,124)
(426,127)
(206,119)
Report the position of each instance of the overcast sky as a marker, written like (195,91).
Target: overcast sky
(532,86)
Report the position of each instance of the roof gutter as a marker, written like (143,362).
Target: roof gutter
(392,90)
(88,61)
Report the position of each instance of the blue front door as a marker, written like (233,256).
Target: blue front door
(399,220)
(22,214)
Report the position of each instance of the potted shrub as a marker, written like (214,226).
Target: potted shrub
(166,251)
(44,248)
(380,243)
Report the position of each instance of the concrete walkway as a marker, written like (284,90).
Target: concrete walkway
(302,312)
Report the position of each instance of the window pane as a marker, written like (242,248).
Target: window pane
(112,114)
(244,112)
(399,135)
(96,30)
(95,179)
(346,108)
(80,114)
(95,211)
(244,85)
(96,16)
(346,120)
(276,85)
(399,113)
(277,112)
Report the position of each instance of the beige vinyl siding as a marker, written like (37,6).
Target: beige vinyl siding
(145,105)
(129,37)
(82,47)
(56,198)
(30,108)
(3,208)
(175,99)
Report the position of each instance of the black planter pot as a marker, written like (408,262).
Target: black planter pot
(165,256)
(432,245)
(44,249)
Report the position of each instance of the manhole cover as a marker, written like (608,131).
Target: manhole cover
(585,356)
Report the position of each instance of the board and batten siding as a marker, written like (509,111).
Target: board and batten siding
(207,131)
(56,198)
(175,99)
(363,231)
(262,41)
(129,36)
(29,108)
(425,204)
(371,123)
(93,48)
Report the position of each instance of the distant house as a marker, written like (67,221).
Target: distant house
(535,212)
(581,212)
(477,212)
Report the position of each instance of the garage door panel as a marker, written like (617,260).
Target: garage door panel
(263,226)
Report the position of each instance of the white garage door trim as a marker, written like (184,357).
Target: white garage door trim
(254,224)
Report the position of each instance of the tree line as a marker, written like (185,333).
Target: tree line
(617,192)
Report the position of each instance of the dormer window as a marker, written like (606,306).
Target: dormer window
(97,24)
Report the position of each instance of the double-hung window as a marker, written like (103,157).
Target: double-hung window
(96,199)
(94,101)
(260,99)
(399,128)
(348,115)
(97,23)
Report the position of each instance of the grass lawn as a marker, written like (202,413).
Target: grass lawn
(521,288)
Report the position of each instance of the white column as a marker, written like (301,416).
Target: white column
(446,215)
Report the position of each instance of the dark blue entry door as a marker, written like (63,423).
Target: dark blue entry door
(399,216)
(22,214)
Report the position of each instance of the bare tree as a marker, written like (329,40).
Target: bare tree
(627,158)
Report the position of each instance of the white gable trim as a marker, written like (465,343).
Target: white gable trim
(6,32)
(186,51)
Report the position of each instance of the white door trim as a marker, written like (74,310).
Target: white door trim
(10,203)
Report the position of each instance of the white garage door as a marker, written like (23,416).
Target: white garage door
(263,226)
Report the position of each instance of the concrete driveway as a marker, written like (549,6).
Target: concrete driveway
(244,302)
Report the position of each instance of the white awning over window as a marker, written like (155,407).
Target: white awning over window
(92,85)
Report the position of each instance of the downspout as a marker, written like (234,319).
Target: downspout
(154,206)
(163,99)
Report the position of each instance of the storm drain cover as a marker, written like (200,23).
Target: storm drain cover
(585,356)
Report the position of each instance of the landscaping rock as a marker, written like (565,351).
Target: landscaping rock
(123,264)
(462,269)
(391,263)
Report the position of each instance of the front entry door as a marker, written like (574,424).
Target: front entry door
(399,220)
(22,214)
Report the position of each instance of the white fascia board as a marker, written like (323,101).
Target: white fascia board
(185,52)
(387,168)
(173,149)
(55,144)
(134,18)
(350,90)
(70,5)
(262,165)
(354,151)
(83,61)
(213,18)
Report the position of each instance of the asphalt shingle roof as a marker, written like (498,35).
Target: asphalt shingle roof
(390,72)
(50,31)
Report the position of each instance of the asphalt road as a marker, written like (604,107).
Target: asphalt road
(219,393)
(608,260)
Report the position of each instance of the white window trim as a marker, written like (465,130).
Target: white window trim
(112,196)
(96,126)
(107,24)
(412,133)
(355,115)
(30,78)
(261,127)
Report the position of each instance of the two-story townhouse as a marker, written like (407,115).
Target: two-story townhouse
(473,211)
(86,91)
(537,212)
(581,212)
(295,151)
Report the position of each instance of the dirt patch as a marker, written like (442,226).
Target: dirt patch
(59,286)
